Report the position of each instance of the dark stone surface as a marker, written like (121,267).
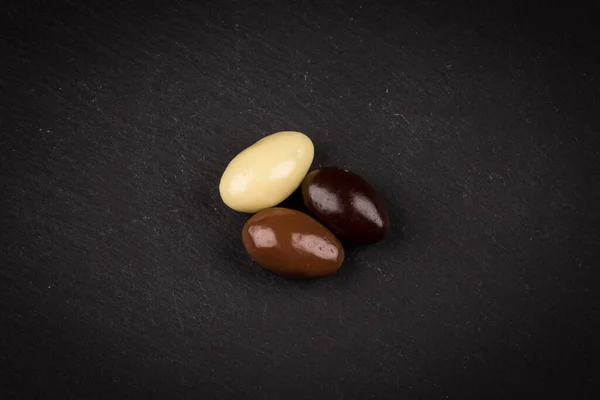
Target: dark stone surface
(123,275)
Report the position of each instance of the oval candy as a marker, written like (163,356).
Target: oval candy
(291,243)
(266,173)
(347,204)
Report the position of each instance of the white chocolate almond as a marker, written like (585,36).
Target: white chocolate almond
(266,173)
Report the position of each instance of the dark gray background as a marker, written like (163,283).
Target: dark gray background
(123,275)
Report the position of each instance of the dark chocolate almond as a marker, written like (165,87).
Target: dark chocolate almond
(347,204)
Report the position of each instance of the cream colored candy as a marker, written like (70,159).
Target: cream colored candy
(266,173)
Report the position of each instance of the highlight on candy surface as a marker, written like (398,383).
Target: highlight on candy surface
(267,172)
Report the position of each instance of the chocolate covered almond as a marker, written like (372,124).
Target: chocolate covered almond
(347,204)
(291,243)
(266,173)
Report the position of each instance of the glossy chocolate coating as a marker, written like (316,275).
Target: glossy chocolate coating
(291,243)
(346,204)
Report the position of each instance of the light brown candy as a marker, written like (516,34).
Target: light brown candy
(291,243)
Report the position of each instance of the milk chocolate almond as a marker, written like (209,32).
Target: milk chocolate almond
(347,204)
(291,243)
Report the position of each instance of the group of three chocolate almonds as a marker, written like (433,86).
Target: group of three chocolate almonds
(289,242)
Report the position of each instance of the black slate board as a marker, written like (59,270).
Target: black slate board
(123,275)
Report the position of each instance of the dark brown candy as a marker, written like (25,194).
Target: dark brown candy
(291,243)
(346,204)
